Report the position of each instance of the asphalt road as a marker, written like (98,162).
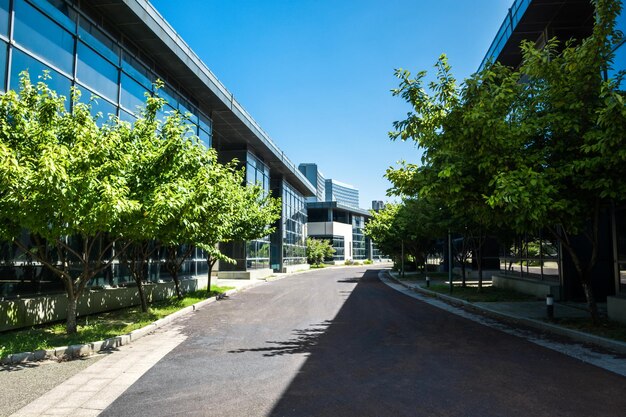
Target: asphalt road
(338,342)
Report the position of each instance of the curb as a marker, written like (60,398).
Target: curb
(614,345)
(87,349)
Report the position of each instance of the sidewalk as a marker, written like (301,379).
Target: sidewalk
(528,313)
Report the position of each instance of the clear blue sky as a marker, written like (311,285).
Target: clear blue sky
(316,74)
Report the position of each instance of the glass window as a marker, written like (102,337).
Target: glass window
(99,106)
(133,94)
(169,95)
(22,62)
(4,17)
(60,11)
(97,73)
(137,70)
(187,110)
(95,38)
(205,138)
(43,37)
(3,65)
(205,123)
(127,117)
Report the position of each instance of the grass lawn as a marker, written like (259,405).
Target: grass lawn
(488,294)
(98,326)
(605,328)
(420,276)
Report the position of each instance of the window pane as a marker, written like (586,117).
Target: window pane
(205,138)
(133,94)
(205,123)
(4,17)
(137,70)
(98,104)
(97,73)
(127,117)
(188,111)
(43,37)
(95,38)
(22,62)
(169,95)
(3,65)
(60,11)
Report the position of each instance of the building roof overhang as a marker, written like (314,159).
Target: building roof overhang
(528,20)
(141,22)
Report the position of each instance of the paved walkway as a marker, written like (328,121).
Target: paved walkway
(94,389)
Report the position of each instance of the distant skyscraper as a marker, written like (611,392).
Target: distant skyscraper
(342,193)
(316,178)
(378,205)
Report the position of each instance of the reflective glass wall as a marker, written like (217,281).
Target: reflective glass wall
(294,226)
(359,250)
(54,36)
(64,40)
(257,251)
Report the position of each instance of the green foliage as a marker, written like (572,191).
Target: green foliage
(537,148)
(317,250)
(98,326)
(368,262)
(415,222)
(82,188)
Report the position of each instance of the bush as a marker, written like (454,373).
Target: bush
(368,262)
(349,262)
(317,250)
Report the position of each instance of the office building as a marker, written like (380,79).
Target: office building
(117,49)
(315,177)
(538,21)
(342,193)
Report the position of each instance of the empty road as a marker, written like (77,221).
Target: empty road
(338,342)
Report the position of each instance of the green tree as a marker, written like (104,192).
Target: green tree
(317,250)
(63,179)
(532,149)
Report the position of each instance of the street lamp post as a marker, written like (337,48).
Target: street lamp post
(450,260)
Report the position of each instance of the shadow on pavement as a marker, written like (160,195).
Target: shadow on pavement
(303,342)
(386,354)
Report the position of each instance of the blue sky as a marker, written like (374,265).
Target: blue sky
(317,74)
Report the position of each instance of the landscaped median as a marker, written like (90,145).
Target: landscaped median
(99,331)
(508,305)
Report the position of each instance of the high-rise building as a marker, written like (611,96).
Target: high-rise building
(378,205)
(315,177)
(342,193)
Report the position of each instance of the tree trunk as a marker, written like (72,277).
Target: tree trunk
(142,294)
(71,326)
(591,301)
(463,283)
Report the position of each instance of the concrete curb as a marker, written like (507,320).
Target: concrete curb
(86,349)
(614,345)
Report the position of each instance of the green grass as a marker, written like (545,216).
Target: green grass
(420,276)
(98,326)
(605,328)
(487,294)
(317,266)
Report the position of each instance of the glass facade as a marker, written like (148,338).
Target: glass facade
(58,37)
(342,193)
(359,249)
(506,29)
(257,251)
(294,226)
(54,36)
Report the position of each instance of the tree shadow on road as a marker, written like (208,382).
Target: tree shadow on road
(304,341)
